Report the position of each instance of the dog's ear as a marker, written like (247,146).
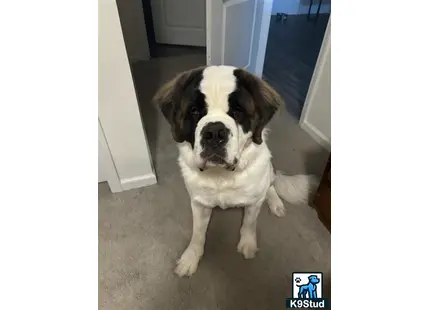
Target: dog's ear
(266,101)
(170,99)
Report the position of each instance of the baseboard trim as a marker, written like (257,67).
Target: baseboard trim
(317,135)
(139,181)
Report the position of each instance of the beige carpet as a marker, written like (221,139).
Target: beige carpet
(142,232)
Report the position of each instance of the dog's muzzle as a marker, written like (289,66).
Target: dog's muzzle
(214,138)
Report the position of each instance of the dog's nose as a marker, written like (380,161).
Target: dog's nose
(214,134)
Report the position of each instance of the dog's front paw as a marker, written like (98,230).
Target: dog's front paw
(247,246)
(187,264)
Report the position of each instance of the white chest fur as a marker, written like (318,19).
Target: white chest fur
(247,185)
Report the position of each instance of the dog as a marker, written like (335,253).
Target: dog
(218,117)
(309,290)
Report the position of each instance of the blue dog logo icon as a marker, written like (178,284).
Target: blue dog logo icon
(309,290)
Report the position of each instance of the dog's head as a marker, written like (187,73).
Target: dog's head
(217,111)
(313,279)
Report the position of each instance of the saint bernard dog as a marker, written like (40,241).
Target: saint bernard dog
(218,116)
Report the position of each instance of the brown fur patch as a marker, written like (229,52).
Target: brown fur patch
(265,99)
(172,101)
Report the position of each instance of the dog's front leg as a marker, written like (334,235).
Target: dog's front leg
(189,260)
(248,232)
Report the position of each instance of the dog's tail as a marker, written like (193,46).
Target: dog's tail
(295,189)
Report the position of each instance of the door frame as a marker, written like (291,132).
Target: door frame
(264,35)
(310,97)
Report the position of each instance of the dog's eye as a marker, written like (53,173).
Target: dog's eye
(195,112)
(237,112)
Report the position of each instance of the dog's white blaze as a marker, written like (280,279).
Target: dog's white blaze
(217,84)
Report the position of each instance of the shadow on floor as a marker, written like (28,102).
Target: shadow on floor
(315,161)
(169,50)
(146,86)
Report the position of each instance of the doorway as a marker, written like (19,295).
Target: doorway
(296,32)
(175,28)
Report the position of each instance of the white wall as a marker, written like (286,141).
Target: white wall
(134,29)
(118,109)
(316,115)
(294,7)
